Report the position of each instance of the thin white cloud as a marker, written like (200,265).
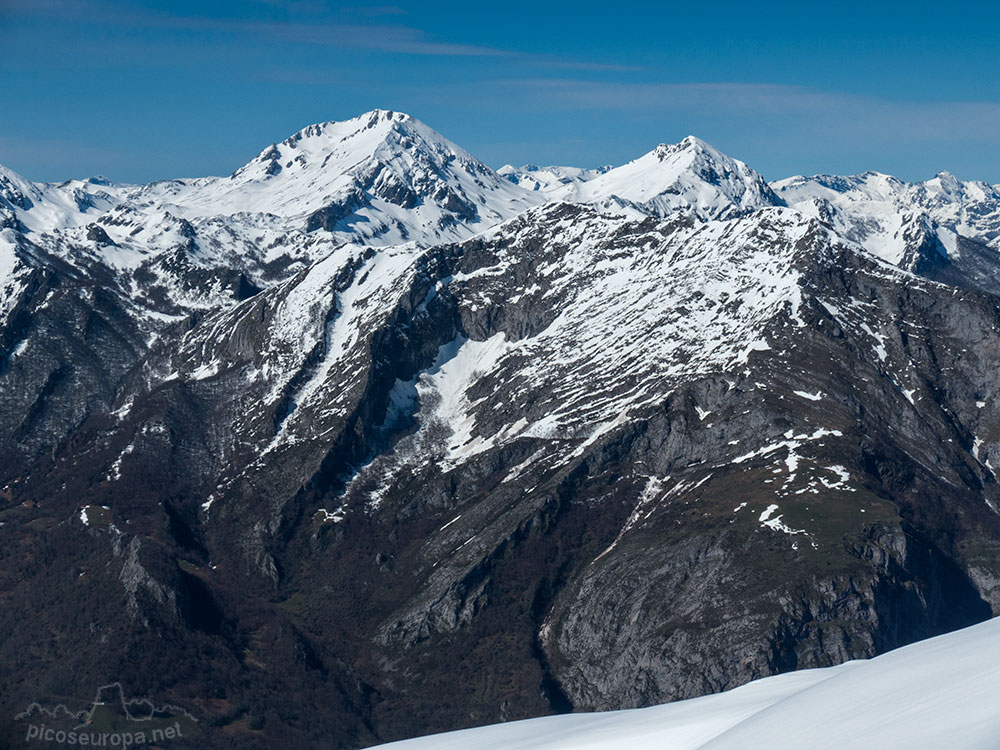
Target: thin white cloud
(309,23)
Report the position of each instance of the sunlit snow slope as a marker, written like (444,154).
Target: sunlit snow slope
(939,693)
(690,175)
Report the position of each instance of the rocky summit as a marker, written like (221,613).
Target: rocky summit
(368,440)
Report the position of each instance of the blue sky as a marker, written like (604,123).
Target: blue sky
(143,90)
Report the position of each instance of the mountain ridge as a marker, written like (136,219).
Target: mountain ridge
(650,440)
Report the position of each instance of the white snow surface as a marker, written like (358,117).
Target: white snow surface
(687,175)
(889,217)
(381,150)
(412,175)
(11,271)
(938,693)
(546,179)
(380,179)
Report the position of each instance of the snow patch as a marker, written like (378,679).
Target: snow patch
(776,524)
(810,396)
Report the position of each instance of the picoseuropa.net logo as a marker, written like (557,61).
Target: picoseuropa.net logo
(110,721)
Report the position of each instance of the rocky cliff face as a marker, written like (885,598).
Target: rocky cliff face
(546,455)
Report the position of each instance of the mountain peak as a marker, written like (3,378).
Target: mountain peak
(945,185)
(690,142)
(381,120)
(15,190)
(356,138)
(378,175)
(691,175)
(691,145)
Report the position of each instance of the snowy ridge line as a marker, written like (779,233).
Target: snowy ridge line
(564,383)
(385,178)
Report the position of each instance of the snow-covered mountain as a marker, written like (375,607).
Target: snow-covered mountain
(874,209)
(934,694)
(939,227)
(379,179)
(545,179)
(690,175)
(366,420)
(382,178)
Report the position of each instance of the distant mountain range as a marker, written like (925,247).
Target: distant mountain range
(368,440)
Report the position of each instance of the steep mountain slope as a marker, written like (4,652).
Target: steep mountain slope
(381,178)
(937,693)
(165,254)
(653,443)
(942,228)
(690,175)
